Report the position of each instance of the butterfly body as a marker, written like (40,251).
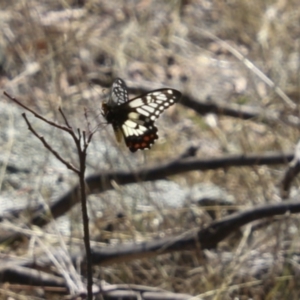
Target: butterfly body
(134,119)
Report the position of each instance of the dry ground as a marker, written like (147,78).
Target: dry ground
(64,53)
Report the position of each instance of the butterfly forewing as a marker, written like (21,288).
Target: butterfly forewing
(119,93)
(152,104)
(135,118)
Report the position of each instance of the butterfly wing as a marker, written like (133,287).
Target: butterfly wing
(118,93)
(118,96)
(134,119)
(138,128)
(139,134)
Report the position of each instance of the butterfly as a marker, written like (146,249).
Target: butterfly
(134,119)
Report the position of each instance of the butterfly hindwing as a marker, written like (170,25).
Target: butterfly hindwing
(139,129)
(135,118)
(139,136)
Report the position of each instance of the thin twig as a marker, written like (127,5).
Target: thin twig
(41,138)
(38,115)
(64,117)
(84,139)
(102,182)
(90,137)
(80,172)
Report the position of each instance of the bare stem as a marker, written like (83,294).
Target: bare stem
(81,145)
(55,153)
(37,115)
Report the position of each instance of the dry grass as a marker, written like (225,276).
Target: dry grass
(51,50)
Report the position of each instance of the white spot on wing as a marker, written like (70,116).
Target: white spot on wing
(129,131)
(133,116)
(148,108)
(136,103)
(162,97)
(142,112)
(130,123)
(140,130)
(124,127)
(153,105)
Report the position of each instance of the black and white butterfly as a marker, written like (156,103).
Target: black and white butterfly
(134,119)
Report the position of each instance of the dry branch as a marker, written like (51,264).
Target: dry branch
(102,182)
(289,176)
(200,239)
(23,275)
(81,146)
(196,240)
(204,107)
(291,173)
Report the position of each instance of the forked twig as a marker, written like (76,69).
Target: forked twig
(37,115)
(81,150)
(64,117)
(55,153)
